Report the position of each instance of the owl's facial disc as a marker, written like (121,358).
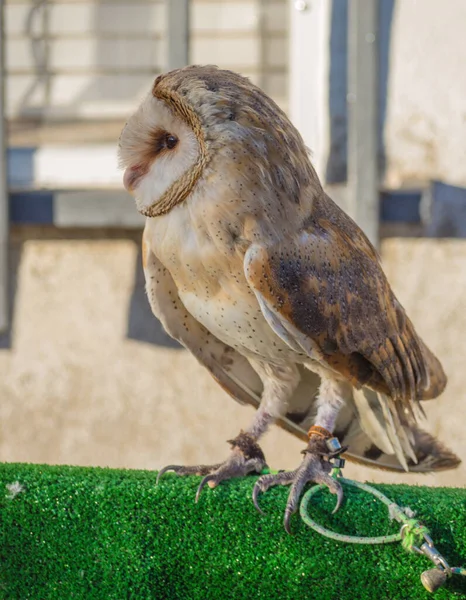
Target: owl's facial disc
(156,148)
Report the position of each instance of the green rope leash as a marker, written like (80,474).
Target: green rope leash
(413,531)
(413,535)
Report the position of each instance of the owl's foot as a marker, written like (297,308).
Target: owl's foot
(246,457)
(316,467)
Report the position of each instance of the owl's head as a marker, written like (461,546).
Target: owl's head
(199,122)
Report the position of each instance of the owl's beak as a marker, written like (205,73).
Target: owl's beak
(132,177)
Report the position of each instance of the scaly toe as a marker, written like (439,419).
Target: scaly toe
(235,466)
(265,482)
(180,470)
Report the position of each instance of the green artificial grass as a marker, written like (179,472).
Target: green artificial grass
(112,534)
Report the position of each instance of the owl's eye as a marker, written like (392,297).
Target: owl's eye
(161,141)
(171,141)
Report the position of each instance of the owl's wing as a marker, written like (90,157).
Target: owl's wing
(324,290)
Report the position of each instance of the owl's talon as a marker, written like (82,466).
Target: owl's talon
(339,493)
(203,483)
(165,470)
(286,520)
(255,493)
(315,467)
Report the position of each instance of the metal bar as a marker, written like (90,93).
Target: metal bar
(178,33)
(4,219)
(363,177)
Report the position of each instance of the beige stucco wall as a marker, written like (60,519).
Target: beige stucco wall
(76,388)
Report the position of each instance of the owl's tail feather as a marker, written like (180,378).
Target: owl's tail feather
(377,437)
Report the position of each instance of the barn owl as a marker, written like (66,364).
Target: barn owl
(272,287)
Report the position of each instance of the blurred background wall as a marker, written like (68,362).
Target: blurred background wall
(87,376)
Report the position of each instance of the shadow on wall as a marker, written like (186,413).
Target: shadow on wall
(36,27)
(14,262)
(142,325)
(338,85)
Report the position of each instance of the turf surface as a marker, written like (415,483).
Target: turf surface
(69,532)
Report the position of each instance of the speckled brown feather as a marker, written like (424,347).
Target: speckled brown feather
(328,283)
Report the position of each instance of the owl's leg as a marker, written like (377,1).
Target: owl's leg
(316,466)
(246,455)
